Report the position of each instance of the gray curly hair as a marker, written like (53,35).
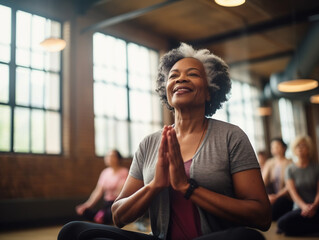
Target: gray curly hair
(216,69)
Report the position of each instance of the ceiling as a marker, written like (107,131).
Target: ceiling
(261,35)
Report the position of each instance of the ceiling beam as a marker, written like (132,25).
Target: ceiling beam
(126,16)
(257,28)
(262,59)
(84,5)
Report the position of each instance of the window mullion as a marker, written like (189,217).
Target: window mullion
(128,102)
(12,74)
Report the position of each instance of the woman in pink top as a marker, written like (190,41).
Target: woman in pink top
(109,185)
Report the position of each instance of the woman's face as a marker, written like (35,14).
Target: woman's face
(277,149)
(111,159)
(187,85)
(301,149)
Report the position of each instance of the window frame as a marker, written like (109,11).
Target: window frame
(129,90)
(258,141)
(13,66)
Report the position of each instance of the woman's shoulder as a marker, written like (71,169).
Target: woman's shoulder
(218,125)
(149,142)
(218,122)
(150,138)
(292,167)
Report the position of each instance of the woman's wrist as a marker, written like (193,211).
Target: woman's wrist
(154,187)
(192,185)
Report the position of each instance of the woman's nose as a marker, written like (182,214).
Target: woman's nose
(181,78)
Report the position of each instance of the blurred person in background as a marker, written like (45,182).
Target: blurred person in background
(262,157)
(274,178)
(302,179)
(109,185)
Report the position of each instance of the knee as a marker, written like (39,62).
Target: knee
(282,223)
(70,230)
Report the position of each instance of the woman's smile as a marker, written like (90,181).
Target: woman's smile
(180,90)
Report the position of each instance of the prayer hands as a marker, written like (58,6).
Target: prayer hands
(170,169)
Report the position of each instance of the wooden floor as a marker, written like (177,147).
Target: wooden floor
(50,233)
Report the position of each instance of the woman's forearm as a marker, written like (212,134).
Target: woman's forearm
(294,194)
(316,201)
(282,192)
(94,197)
(128,209)
(247,212)
(249,206)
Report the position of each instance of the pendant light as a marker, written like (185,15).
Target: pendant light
(264,111)
(296,76)
(264,108)
(53,44)
(297,85)
(314,99)
(230,3)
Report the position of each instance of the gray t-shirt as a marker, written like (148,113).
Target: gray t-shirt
(224,151)
(305,180)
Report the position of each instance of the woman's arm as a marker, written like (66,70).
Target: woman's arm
(133,201)
(294,194)
(135,198)
(266,173)
(93,199)
(120,184)
(251,206)
(314,206)
(316,202)
(282,192)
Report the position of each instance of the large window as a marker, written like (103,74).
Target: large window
(292,119)
(241,111)
(30,84)
(126,107)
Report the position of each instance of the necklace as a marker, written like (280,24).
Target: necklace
(204,130)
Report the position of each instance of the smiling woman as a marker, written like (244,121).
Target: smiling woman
(199,178)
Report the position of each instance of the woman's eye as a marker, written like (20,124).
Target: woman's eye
(193,74)
(172,76)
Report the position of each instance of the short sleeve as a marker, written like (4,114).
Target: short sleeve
(289,172)
(136,169)
(241,153)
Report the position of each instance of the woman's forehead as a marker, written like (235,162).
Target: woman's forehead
(188,62)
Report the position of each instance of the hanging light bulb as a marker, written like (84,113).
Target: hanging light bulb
(314,99)
(230,3)
(53,44)
(298,85)
(264,111)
